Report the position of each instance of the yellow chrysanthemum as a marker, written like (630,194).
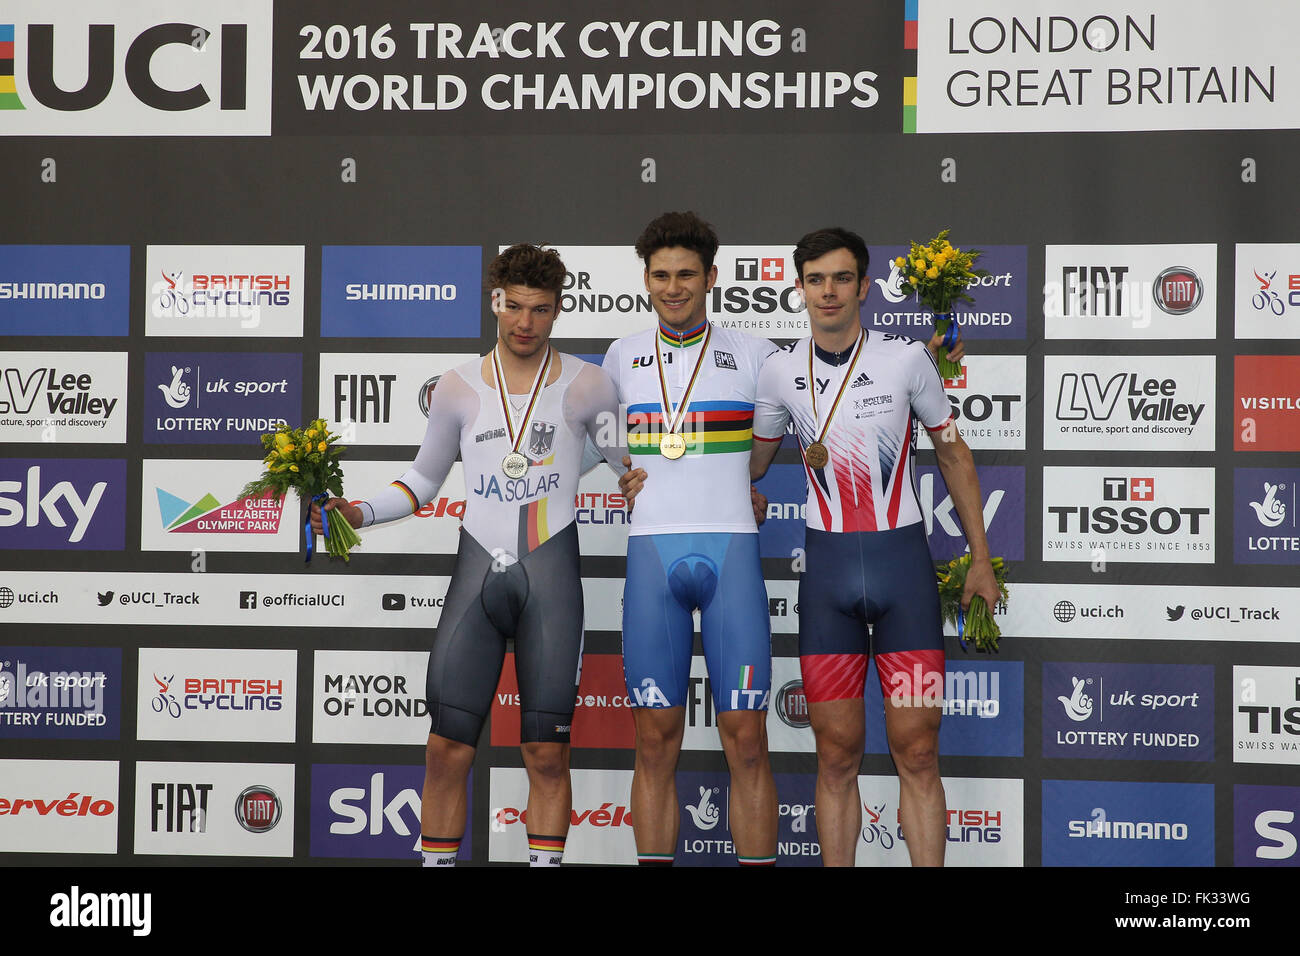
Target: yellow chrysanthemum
(322,446)
(932,273)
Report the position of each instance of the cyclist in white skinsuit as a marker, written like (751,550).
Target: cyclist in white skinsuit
(517,574)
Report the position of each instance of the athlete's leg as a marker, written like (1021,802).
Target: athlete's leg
(548,662)
(655,813)
(736,635)
(913,732)
(839,727)
(464,666)
(444,801)
(550,794)
(753,788)
(658,637)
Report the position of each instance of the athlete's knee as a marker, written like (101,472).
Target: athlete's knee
(839,753)
(744,739)
(446,759)
(658,739)
(548,762)
(917,756)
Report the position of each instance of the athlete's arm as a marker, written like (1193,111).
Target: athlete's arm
(592,404)
(957,465)
(453,400)
(770,419)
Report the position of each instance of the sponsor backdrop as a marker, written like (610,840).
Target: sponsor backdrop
(220,217)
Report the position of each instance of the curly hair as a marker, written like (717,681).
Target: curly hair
(525,264)
(684,229)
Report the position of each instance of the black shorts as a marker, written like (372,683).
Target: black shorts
(537,602)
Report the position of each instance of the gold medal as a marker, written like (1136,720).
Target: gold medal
(816,455)
(672,446)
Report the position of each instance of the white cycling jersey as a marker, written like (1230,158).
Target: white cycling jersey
(513,515)
(868,483)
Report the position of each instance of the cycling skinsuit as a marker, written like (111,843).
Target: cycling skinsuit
(693,543)
(516,572)
(867,557)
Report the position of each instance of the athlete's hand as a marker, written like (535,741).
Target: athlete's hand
(956,353)
(980,580)
(630,482)
(340,505)
(759,501)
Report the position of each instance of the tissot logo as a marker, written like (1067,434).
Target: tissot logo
(194,72)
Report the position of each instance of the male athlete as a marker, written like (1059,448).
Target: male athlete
(689,390)
(854,395)
(519,418)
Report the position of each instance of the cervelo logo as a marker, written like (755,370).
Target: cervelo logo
(53,505)
(74,73)
(605,815)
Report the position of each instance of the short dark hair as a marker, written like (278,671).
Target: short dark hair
(819,243)
(525,264)
(684,229)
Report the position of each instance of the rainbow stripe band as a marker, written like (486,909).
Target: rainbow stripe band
(8,88)
(756,860)
(654,857)
(670,336)
(708,427)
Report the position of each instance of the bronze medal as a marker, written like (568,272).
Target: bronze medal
(816,455)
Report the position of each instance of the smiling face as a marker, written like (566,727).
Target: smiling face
(831,287)
(678,285)
(525,319)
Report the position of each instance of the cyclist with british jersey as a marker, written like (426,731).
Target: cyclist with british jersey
(855,396)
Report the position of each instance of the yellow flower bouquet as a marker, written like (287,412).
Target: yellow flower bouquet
(307,460)
(976,623)
(940,275)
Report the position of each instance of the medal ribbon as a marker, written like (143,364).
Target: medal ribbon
(812,387)
(671,420)
(499,379)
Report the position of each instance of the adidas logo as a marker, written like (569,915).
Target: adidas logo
(862,379)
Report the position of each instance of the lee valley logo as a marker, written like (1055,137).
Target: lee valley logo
(133,911)
(1148,403)
(69,397)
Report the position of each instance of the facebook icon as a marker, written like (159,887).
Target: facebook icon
(248,599)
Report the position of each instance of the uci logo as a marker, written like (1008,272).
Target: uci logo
(137,76)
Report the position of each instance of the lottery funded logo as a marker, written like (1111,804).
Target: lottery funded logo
(999,310)
(1128,711)
(51,692)
(1265,516)
(219,397)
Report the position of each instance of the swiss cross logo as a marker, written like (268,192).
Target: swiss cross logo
(773,270)
(957,382)
(1128,489)
(747,270)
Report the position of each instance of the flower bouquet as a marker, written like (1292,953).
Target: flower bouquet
(307,460)
(977,622)
(940,276)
